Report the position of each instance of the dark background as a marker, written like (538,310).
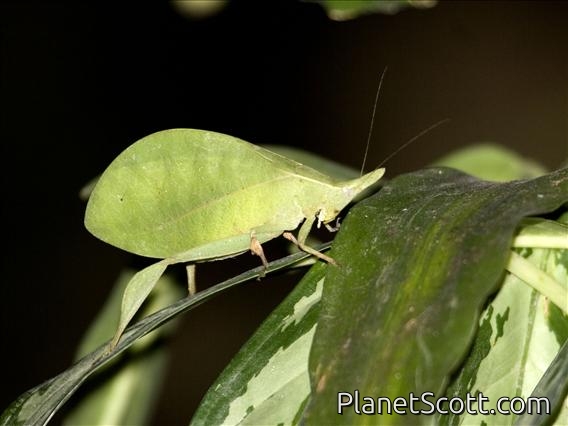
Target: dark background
(79,83)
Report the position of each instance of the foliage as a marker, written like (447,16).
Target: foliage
(420,301)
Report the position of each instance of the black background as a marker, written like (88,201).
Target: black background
(79,83)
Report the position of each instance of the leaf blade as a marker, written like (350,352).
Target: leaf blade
(267,381)
(519,334)
(136,292)
(407,315)
(36,406)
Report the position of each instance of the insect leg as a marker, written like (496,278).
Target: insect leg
(305,229)
(290,237)
(256,248)
(191,285)
(333,228)
(301,240)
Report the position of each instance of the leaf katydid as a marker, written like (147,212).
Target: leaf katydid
(185,195)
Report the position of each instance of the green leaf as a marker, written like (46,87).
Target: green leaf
(418,261)
(535,232)
(87,189)
(268,380)
(520,333)
(137,290)
(540,280)
(127,397)
(492,162)
(126,391)
(341,10)
(38,405)
(553,386)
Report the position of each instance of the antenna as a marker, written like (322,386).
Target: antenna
(422,133)
(372,120)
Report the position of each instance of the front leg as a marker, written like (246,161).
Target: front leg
(301,241)
(333,228)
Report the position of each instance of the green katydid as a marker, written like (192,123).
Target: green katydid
(185,195)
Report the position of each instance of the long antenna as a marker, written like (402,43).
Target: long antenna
(372,120)
(422,133)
